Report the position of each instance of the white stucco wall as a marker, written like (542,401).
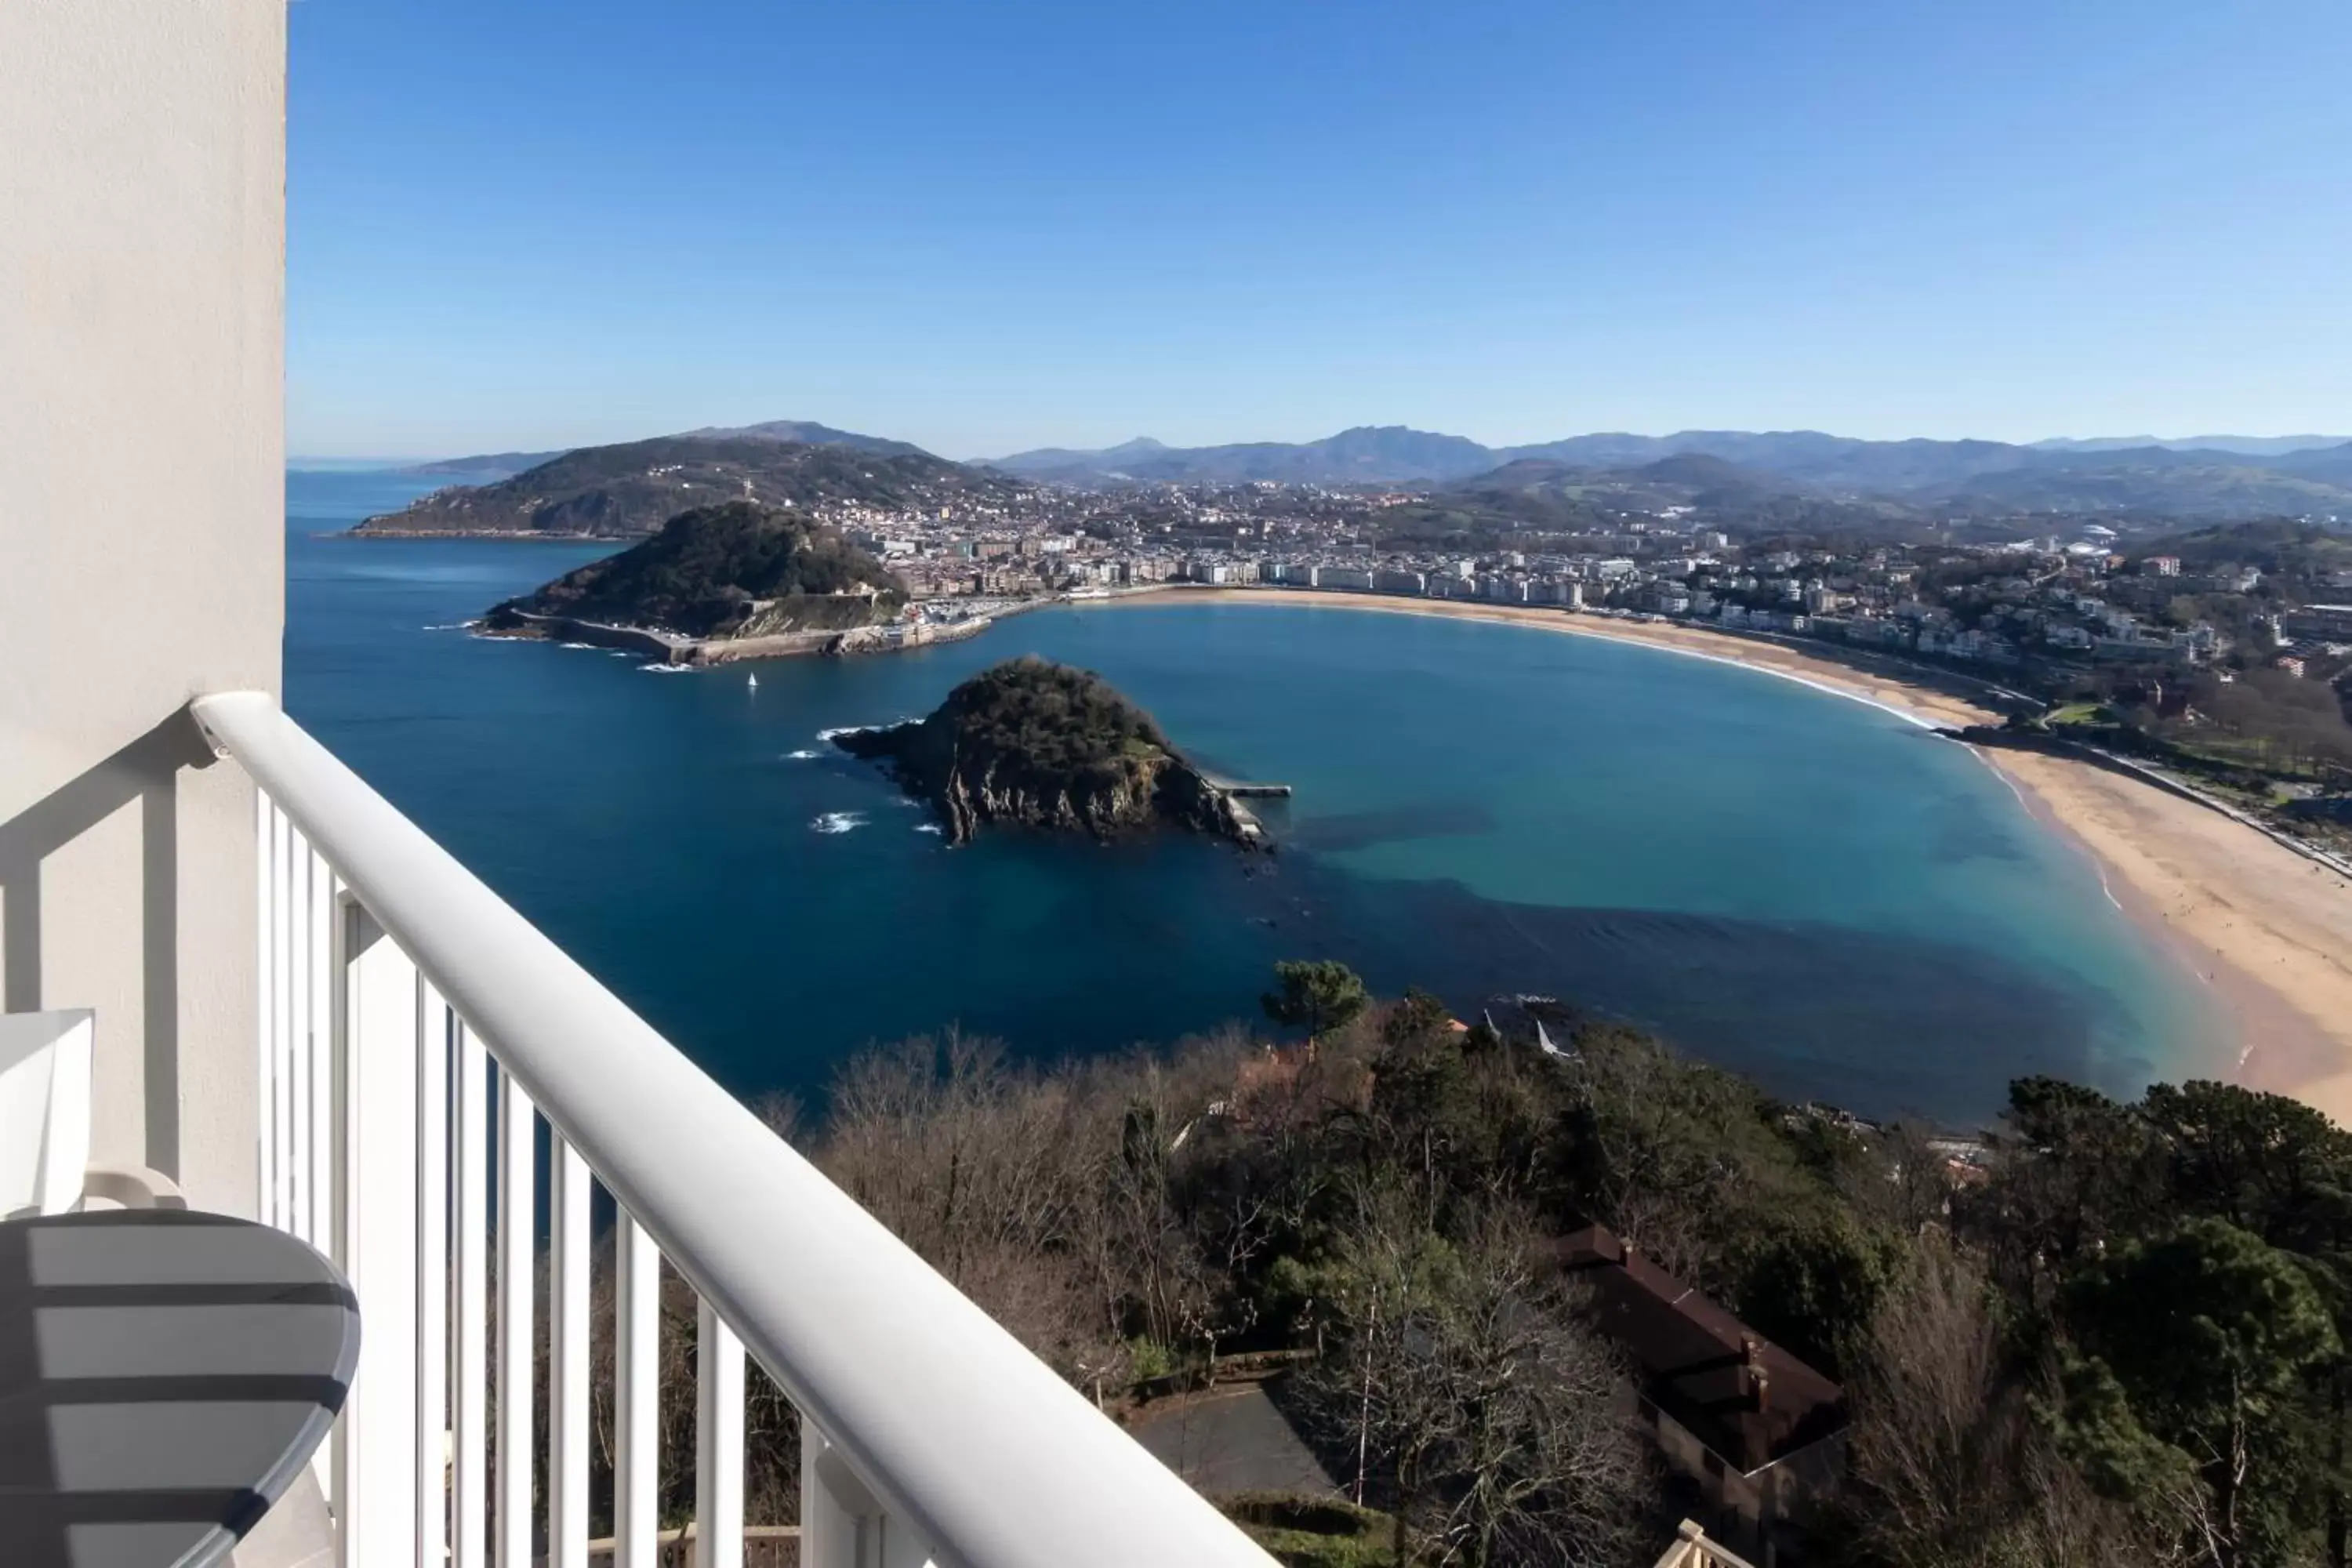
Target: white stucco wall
(141,452)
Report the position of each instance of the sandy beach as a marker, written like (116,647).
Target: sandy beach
(2268,932)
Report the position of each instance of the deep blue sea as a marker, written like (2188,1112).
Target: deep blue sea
(1798,885)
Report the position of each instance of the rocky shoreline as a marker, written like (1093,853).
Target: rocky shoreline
(673,648)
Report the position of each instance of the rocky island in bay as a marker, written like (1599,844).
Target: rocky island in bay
(734,581)
(1039,745)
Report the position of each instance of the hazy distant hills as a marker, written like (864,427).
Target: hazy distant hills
(632,489)
(2225,476)
(1055,463)
(2252,445)
(1794,478)
(1547,494)
(809,433)
(482,466)
(1370,455)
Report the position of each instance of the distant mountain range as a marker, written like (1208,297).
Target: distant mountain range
(809,433)
(481,465)
(2254,446)
(1794,478)
(1385,453)
(2218,475)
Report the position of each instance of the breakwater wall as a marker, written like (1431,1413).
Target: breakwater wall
(669,647)
(894,637)
(890,639)
(735,650)
(661,646)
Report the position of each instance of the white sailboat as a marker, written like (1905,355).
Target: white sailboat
(750,680)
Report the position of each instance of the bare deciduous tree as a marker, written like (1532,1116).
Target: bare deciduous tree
(1953,1469)
(1487,1415)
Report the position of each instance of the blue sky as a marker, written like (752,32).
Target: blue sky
(986,227)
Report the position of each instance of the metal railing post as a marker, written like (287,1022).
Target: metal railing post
(911,1384)
(567,1359)
(717,1442)
(636,1458)
(377,1484)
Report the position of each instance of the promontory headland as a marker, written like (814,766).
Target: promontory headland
(737,579)
(1041,745)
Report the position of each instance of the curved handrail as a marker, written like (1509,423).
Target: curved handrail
(946,1418)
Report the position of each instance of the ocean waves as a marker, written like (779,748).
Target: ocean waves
(840,730)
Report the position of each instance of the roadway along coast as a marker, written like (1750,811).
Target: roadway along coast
(2265,931)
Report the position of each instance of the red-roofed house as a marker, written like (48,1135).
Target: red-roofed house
(1757,1429)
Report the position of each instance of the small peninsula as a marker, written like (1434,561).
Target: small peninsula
(629,491)
(1041,745)
(738,574)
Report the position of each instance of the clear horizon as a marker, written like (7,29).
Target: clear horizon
(296,459)
(520,226)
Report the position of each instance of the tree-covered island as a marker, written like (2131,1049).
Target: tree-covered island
(1040,745)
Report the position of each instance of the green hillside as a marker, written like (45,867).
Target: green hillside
(632,488)
(736,570)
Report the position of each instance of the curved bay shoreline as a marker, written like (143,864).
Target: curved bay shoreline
(2267,932)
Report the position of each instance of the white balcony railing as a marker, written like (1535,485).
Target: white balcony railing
(416,1027)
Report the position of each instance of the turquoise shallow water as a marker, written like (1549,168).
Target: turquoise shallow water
(1802,887)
